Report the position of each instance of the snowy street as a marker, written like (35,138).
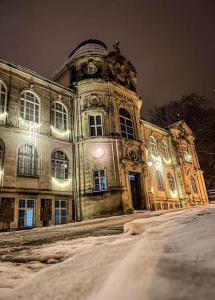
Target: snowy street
(161,255)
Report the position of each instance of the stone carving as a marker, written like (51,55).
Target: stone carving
(93,100)
(121,70)
(132,152)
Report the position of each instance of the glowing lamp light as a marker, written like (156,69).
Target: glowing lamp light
(149,163)
(98,152)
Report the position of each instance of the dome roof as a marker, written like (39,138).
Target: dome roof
(89,47)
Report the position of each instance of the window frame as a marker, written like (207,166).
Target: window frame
(99,178)
(57,163)
(95,125)
(193,184)
(153,146)
(171,182)
(159,179)
(186,154)
(24,107)
(125,133)
(165,150)
(24,162)
(25,216)
(2,154)
(54,112)
(59,209)
(2,84)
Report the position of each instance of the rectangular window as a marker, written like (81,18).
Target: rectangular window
(95,123)
(60,211)
(26,213)
(186,154)
(100,182)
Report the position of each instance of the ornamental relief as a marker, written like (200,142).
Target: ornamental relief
(93,100)
(132,152)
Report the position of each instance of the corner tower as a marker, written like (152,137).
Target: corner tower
(108,160)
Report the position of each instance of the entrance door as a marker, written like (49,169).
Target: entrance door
(136,194)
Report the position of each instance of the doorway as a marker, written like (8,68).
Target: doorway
(136,193)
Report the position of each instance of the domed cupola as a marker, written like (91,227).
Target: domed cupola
(87,61)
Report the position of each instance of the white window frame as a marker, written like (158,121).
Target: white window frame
(63,112)
(99,177)
(24,106)
(28,163)
(57,164)
(127,134)
(95,125)
(2,84)
(153,145)
(25,209)
(59,210)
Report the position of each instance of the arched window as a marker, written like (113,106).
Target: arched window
(30,107)
(60,165)
(159,181)
(153,146)
(28,160)
(165,150)
(193,183)
(187,156)
(59,116)
(1,154)
(171,182)
(126,124)
(3,97)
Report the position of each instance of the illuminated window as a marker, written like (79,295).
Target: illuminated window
(28,160)
(165,150)
(159,181)
(60,211)
(59,116)
(153,146)
(171,182)
(1,154)
(126,124)
(193,183)
(30,107)
(3,97)
(60,165)
(26,213)
(95,123)
(186,155)
(100,182)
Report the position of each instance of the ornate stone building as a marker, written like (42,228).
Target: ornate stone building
(75,147)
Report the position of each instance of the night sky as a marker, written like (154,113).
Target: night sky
(170,43)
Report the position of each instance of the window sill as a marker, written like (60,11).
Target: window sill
(28,176)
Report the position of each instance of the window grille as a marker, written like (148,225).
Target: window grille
(126,124)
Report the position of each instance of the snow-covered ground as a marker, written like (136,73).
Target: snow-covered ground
(171,256)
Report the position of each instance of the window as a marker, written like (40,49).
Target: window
(180,182)
(60,211)
(126,124)
(153,146)
(60,165)
(171,182)
(26,213)
(28,160)
(193,183)
(30,107)
(186,155)
(1,155)
(95,125)
(165,150)
(3,97)
(159,181)
(59,116)
(100,183)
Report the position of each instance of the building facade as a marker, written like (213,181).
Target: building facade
(75,147)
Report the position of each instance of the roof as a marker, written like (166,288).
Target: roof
(33,73)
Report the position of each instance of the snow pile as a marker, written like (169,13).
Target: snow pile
(169,257)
